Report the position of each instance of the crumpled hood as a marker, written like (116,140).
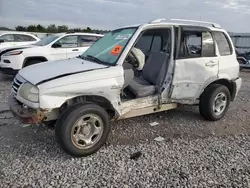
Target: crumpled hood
(49,70)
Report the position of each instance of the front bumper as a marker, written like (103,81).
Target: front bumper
(24,114)
(14,62)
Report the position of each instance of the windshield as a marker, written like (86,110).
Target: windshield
(46,40)
(108,49)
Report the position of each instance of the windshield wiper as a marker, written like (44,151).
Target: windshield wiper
(95,59)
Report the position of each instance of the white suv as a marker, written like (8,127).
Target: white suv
(8,39)
(131,71)
(54,47)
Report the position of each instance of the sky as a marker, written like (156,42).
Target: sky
(233,15)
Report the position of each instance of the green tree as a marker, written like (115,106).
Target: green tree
(31,28)
(21,28)
(40,28)
(62,28)
(89,30)
(52,28)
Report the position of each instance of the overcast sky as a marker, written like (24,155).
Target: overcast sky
(109,14)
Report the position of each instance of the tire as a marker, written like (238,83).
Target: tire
(32,62)
(66,129)
(207,101)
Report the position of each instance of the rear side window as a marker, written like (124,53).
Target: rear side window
(223,43)
(190,46)
(23,38)
(85,41)
(208,49)
(195,44)
(7,38)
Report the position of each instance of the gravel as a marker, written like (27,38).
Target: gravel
(194,152)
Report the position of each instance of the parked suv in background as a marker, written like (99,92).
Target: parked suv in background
(8,39)
(131,71)
(53,47)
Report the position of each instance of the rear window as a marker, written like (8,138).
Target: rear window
(223,43)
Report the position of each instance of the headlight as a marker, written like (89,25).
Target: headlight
(29,92)
(13,53)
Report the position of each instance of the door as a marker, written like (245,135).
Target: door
(196,63)
(61,47)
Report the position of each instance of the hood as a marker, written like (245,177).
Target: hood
(46,71)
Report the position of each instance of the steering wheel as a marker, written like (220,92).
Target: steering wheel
(133,60)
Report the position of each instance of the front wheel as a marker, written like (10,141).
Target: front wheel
(214,102)
(82,129)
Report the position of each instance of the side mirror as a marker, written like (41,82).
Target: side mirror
(56,45)
(1,41)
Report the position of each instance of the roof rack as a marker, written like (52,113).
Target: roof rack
(184,20)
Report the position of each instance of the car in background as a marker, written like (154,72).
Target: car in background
(53,47)
(9,39)
(243,59)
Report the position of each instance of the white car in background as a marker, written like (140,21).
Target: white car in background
(54,47)
(9,39)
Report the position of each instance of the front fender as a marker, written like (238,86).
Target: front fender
(104,83)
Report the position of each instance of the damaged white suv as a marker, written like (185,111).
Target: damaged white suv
(131,71)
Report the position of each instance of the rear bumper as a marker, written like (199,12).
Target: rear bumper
(237,83)
(25,115)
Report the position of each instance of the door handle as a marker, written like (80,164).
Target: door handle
(75,50)
(211,64)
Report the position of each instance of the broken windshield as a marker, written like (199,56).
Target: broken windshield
(109,48)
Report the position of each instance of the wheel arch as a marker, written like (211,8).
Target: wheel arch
(27,59)
(223,81)
(95,99)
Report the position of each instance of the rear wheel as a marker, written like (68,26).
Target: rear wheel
(82,129)
(214,102)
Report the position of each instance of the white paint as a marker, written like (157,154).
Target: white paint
(15,43)
(47,70)
(46,51)
(191,74)
(62,83)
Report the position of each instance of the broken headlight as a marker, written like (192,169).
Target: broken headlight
(29,92)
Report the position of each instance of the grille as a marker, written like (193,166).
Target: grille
(17,82)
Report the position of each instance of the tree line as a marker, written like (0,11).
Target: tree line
(52,28)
